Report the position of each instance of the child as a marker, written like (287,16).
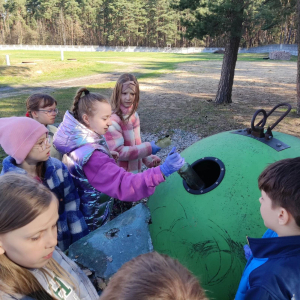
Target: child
(42,108)
(80,137)
(153,276)
(30,265)
(123,135)
(273,270)
(26,141)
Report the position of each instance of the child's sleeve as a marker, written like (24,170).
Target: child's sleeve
(75,218)
(259,292)
(106,176)
(115,140)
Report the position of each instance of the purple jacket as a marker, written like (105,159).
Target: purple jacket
(94,172)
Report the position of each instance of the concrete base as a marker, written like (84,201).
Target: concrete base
(106,249)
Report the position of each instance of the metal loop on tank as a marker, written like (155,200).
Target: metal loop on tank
(262,122)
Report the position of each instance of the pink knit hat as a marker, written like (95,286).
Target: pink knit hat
(18,135)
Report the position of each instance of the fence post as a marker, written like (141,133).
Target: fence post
(7,60)
(62,54)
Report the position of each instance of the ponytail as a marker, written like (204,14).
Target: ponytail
(84,104)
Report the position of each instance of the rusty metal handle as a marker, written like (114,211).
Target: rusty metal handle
(289,107)
(262,122)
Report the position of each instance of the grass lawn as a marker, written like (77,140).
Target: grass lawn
(46,66)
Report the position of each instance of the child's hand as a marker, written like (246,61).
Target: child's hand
(248,252)
(155,148)
(115,155)
(172,163)
(156,161)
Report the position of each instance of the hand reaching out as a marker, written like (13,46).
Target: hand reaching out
(115,155)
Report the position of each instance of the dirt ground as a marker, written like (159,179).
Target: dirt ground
(186,97)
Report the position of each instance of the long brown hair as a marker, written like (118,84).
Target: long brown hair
(85,104)
(153,276)
(36,101)
(22,199)
(117,92)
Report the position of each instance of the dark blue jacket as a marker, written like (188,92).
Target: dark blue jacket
(71,225)
(273,270)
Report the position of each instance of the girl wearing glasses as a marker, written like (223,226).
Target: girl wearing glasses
(42,108)
(26,142)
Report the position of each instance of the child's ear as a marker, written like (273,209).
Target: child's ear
(34,114)
(2,251)
(85,119)
(283,216)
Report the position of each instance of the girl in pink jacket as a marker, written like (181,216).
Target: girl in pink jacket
(123,135)
(94,171)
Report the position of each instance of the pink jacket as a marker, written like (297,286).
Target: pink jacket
(125,138)
(104,175)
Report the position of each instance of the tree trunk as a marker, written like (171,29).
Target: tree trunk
(227,73)
(298,61)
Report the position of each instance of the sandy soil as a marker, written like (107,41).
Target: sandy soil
(184,97)
(192,88)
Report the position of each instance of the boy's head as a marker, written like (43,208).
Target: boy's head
(280,201)
(153,276)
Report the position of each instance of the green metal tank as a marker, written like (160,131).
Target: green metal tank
(206,229)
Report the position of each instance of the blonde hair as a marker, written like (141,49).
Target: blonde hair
(117,92)
(22,199)
(153,276)
(85,104)
(35,101)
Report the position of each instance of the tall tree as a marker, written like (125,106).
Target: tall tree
(232,19)
(214,18)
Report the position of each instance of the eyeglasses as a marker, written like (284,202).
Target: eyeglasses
(50,111)
(44,144)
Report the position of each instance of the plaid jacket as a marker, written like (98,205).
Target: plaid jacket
(125,138)
(71,225)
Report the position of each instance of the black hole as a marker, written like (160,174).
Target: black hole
(208,170)
(128,235)
(112,233)
(211,171)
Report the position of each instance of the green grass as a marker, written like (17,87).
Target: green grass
(48,66)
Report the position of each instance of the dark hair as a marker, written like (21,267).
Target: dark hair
(117,93)
(85,104)
(35,101)
(281,182)
(153,276)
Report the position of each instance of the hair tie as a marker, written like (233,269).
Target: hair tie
(86,92)
(27,115)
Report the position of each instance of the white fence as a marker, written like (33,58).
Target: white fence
(107,48)
(293,49)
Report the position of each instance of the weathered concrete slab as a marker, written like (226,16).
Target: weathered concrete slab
(106,249)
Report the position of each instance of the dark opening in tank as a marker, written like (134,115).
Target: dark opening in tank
(211,170)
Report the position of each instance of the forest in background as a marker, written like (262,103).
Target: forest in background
(151,23)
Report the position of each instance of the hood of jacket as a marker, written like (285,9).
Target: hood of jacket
(71,134)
